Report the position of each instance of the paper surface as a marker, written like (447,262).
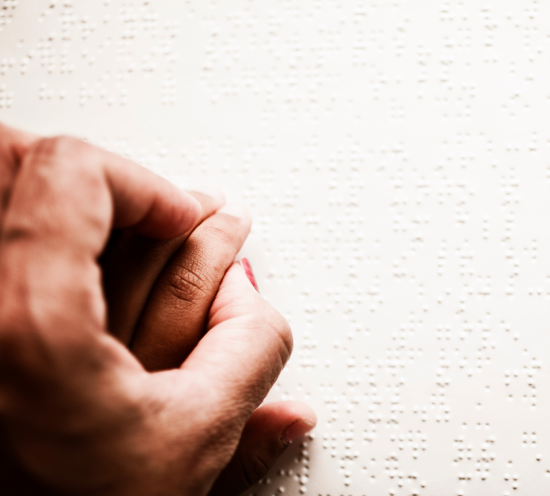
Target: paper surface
(396,158)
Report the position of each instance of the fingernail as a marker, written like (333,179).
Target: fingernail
(235,210)
(296,430)
(249,272)
(210,190)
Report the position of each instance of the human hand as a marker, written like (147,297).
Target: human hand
(80,413)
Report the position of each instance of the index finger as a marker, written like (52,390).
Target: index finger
(138,198)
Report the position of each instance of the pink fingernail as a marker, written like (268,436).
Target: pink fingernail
(249,273)
(296,430)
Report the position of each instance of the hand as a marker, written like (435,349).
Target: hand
(79,411)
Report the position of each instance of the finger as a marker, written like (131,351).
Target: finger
(56,172)
(147,203)
(174,319)
(64,201)
(266,435)
(132,263)
(247,345)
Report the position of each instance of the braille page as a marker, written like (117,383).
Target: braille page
(396,158)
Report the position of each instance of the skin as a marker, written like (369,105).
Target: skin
(134,352)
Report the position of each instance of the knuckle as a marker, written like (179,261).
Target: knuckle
(196,277)
(55,146)
(77,155)
(283,333)
(188,283)
(73,170)
(277,333)
(219,235)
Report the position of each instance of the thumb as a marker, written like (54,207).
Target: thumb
(268,432)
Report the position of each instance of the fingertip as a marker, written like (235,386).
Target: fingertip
(237,281)
(236,275)
(212,191)
(289,420)
(241,212)
(300,419)
(304,421)
(267,434)
(296,430)
(171,214)
(302,411)
(190,211)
